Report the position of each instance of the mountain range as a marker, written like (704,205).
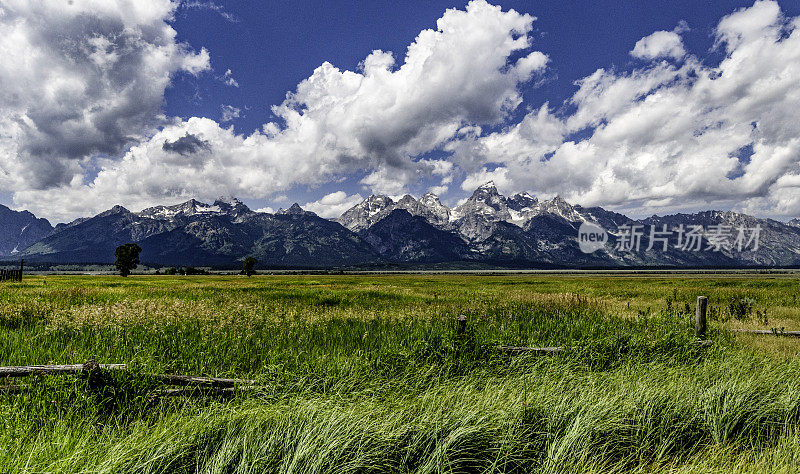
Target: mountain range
(487,229)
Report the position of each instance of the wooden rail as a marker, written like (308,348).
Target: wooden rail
(774,332)
(196,385)
(199,385)
(201,381)
(25,371)
(536,350)
(198,391)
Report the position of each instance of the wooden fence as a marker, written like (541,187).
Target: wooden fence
(193,385)
(12,275)
(199,385)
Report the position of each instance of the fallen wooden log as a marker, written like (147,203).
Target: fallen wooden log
(25,371)
(520,350)
(774,332)
(170,379)
(92,366)
(200,391)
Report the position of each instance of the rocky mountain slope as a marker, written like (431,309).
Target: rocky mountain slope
(405,238)
(487,228)
(19,230)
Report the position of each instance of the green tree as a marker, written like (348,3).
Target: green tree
(248,266)
(127,258)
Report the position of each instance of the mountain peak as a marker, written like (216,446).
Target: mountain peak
(485,205)
(520,201)
(224,206)
(431,200)
(407,200)
(294,210)
(20,229)
(378,198)
(114,210)
(485,189)
(233,201)
(560,207)
(232,205)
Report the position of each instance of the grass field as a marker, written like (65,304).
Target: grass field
(366,374)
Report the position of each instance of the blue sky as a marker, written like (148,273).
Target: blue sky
(271,46)
(227,64)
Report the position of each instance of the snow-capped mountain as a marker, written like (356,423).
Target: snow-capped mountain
(487,229)
(439,212)
(486,203)
(522,206)
(222,206)
(474,218)
(366,213)
(371,210)
(196,233)
(524,228)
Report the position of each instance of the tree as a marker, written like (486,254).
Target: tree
(127,258)
(247,266)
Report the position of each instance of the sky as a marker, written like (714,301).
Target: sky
(631,105)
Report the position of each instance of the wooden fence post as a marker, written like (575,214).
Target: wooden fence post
(462,324)
(21,262)
(700,317)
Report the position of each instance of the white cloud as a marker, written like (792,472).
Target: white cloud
(79,79)
(661,44)
(336,122)
(333,204)
(498,176)
(228,79)
(439,190)
(229,113)
(664,137)
(210,6)
(267,210)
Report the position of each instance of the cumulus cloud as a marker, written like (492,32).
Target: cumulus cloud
(672,132)
(333,204)
(80,79)
(661,44)
(380,118)
(666,136)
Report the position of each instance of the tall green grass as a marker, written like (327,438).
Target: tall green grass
(361,374)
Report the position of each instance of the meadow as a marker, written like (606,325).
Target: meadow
(365,373)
